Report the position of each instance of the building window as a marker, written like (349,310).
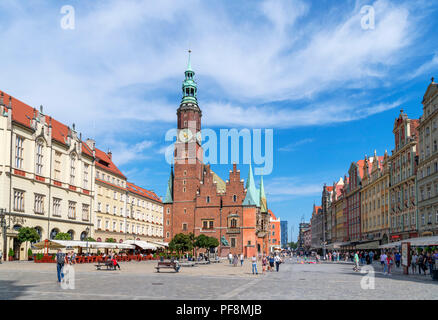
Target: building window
(208,199)
(167,234)
(39,204)
(19,152)
(168,211)
(72,169)
(233,223)
(85,176)
(207,224)
(56,207)
(99,223)
(233,242)
(184,226)
(72,210)
(234,198)
(39,158)
(85,212)
(18,200)
(184,189)
(57,166)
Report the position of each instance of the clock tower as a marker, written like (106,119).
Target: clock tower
(188,156)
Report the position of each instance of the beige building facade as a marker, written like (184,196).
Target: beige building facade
(375,199)
(427,175)
(45,177)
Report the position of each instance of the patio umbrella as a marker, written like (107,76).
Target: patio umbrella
(50,245)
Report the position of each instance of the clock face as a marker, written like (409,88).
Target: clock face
(199,137)
(185,135)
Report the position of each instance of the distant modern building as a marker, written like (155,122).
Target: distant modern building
(284,238)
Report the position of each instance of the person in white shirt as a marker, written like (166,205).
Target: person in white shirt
(230,257)
(241,259)
(383,262)
(254,264)
(277,261)
(414,260)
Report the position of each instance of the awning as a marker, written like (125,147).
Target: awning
(110,245)
(423,241)
(142,244)
(390,245)
(368,245)
(73,243)
(160,244)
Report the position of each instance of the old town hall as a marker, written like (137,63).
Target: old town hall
(198,201)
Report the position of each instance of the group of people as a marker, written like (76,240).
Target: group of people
(268,262)
(424,261)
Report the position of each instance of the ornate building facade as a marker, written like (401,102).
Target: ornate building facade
(45,176)
(427,175)
(198,201)
(375,200)
(403,191)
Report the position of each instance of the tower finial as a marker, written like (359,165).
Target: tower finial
(189,65)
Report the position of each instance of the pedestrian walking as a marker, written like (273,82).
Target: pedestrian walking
(271,263)
(356,262)
(371,255)
(241,259)
(397,259)
(414,260)
(254,264)
(384,261)
(390,262)
(277,262)
(60,261)
(230,258)
(235,259)
(1,257)
(264,263)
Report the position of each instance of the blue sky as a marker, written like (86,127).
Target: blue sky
(329,89)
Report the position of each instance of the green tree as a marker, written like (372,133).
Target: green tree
(27,234)
(181,243)
(293,245)
(63,236)
(112,240)
(89,239)
(212,242)
(201,241)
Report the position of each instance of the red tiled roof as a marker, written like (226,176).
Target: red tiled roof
(107,164)
(23,113)
(272,214)
(143,192)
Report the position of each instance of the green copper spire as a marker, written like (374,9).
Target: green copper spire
(251,191)
(263,203)
(189,86)
(169,192)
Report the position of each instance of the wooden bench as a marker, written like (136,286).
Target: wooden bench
(166,265)
(108,264)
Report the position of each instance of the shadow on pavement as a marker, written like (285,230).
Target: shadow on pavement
(9,290)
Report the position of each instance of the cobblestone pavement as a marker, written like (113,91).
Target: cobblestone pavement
(222,281)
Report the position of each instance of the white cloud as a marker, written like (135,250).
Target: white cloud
(292,146)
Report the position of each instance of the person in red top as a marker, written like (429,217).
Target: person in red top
(115,263)
(390,261)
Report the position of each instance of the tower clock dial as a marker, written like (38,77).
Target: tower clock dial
(185,135)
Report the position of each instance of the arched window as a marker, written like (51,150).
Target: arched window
(233,223)
(53,233)
(71,233)
(39,230)
(83,236)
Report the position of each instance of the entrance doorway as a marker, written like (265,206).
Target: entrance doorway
(17,246)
